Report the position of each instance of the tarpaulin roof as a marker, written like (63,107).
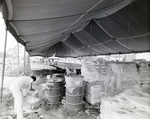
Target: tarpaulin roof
(79,27)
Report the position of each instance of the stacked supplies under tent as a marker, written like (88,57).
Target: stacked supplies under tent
(144,74)
(130,104)
(105,78)
(99,81)
(126,74)
(94,92)
(144,71)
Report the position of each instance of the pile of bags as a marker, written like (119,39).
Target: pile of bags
(126,75)
(144,74)
(99,81)
(130,104)
(94,92)
(144,71)
(90,71)
(107,78)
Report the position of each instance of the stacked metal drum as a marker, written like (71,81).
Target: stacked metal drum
(74,93)
(55,89)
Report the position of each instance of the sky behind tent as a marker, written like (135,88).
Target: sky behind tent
(10,39)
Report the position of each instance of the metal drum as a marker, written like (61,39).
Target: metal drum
(63,89)
(74,98)
(74,107)
(60,77)
(54,92)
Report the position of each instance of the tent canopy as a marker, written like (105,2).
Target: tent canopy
(72,28)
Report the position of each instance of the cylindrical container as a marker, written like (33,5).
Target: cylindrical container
(54,92)
(58,75)
(74,98)
(74,107)
(74,90)
(74,81)
(63,89)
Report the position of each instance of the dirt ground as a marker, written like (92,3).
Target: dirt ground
(47,111)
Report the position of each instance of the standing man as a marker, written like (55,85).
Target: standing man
(16,88)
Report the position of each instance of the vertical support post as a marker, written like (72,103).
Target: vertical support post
(28,64)
(4,56)
(24,59)
(18,56)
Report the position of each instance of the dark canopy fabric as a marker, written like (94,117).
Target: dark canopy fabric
(72,28)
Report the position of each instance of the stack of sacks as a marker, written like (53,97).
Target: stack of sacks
(94,92)
(144,74)
(100,81)
(126,75)
(144,71)
(131,104)
(90,71)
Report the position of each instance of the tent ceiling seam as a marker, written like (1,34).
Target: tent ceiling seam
(87,45)
(46,43)
(76,14)
(10,10)
(103,43)
(93,44)
(103,29)
(43,19)
(51,46)
(110,11)
(138,36)
(70,47)
(84,14)
(135,20)
(15,28)
(42,32)
(142,11)
(124,45)
(52,31)
(95,50)
(79,38)
(128,26)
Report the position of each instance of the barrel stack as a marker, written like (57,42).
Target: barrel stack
(74,93)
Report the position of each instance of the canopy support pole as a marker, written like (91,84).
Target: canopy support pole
(3,71)
(18,57)
(24,59)
(28,68)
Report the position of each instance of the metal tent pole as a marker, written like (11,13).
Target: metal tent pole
(18,57)
(28,64)
(3,71)
(24,59)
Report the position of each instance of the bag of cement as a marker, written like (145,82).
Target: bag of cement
(126,74)
(6,117)
(144,74)
(130,104)
(94,71)
(90,72)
